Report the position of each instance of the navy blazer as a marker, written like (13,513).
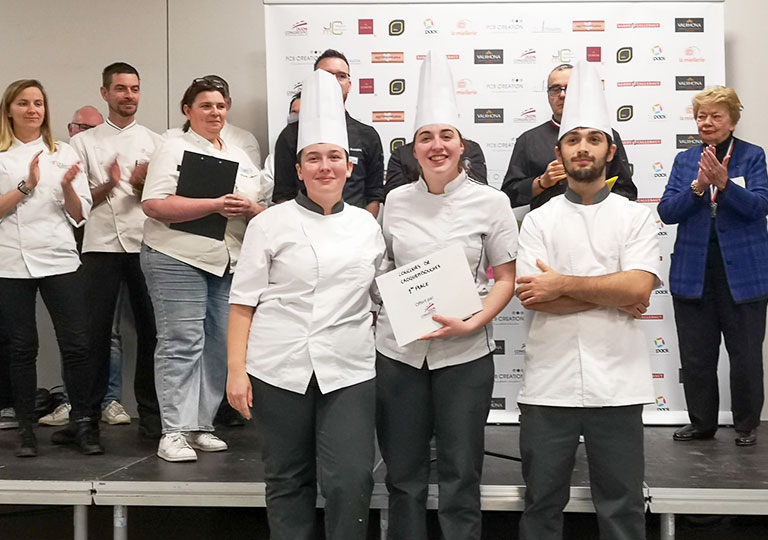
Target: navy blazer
(740,224)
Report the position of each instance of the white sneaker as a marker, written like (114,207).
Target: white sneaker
(174,447)
(59,416)
(114,413)
(205,441)
(8,418)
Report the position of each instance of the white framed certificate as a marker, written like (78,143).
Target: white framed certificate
(440,283)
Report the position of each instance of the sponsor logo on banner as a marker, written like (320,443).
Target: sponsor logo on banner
(299,28)
(489,56)
(365,26)
(658,170)
(388,116)
(693,83)
(501,146)
(396,87)
(563,56)
(637,84)
(447,56)
(515,375)
(295,88)
(387,57)
(505,87)
(625,113)
(594,54)
(501,346)
(334,28)
(660,345)
(302,59)
(489,116)
(640,142)
(657,112)
(511,26)
(512,318)
(526,116)
(662,232)
(465,87)
(687,140)
(689,25)
(366,86)
(589,26)
(657,55)
(661,404)
(658,375)
(546,27)
(498,403)
(396,27)
(692,55)
(463,28)
(429,27)
(687,114)
(632,26)
(652,317)
(624,55)
(649,200)
(661,290)
(396,143)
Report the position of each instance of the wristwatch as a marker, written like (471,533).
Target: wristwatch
(23,188)
(699,192)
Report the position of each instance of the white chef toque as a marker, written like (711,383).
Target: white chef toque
(585,105)
(321,117)
(436,102)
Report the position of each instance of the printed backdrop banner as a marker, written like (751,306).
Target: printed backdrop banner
(652,56)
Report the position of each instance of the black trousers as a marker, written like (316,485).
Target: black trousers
(613,438)
(453,404)
(104,273)
(6,395)
(700,324)
(64,298)
(310,438)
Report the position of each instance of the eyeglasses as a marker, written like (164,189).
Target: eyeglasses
(81,127)
(341,76)
(555,90)
(212,82)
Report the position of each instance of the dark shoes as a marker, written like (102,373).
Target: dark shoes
(746,438)
(27,442)
(150,427)
(691,433)
(81,433)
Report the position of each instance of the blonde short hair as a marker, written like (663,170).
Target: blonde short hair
(719,95)
(6,123)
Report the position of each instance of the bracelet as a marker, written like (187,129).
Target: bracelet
(699,192)
(23,188)
(538,180)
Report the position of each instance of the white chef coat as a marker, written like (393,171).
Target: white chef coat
(201,252)
(117,224)
(233,136)
(36,237)
(598,357)
(418,223)
(309,276)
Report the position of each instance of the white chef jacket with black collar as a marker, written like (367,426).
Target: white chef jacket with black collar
(418,223)
(117,224)
(36,237)
(207,254)
(308,275)
(598,357)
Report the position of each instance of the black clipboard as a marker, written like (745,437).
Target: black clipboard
(205,177)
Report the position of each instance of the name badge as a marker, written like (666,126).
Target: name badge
(353,159)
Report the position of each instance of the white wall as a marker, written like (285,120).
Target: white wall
(66,44)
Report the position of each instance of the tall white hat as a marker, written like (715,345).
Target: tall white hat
(436,103)
(321,117)
(585,105)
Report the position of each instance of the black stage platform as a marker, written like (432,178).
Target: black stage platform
(702,477)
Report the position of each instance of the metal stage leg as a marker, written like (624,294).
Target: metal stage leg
(667,527)
(384,522)
(120,522)
(81,522)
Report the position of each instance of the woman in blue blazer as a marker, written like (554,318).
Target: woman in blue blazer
(718,195)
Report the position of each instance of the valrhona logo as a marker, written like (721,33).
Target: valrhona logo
(489,116)
(689,83)
(489,56)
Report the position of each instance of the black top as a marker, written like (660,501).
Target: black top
(534,150)
(367,181)
(404,169)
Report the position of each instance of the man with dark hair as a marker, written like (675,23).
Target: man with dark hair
(534,175)
(115,156)
(365,188)
(586,264)
(233,135)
